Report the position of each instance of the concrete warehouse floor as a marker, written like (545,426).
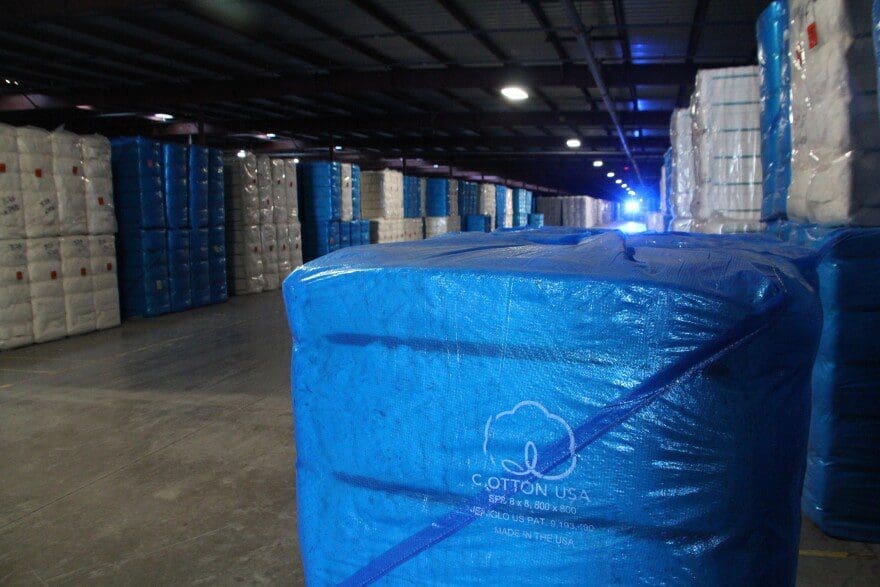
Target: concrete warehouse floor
(161,453)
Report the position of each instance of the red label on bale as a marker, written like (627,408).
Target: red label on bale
(2,167)
(19,275)
(82,271)
(75,170)
(54,275)
(38,172)
(100,201)
(109,266)
(812,35)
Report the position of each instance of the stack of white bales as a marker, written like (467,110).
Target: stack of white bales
(726,109)
(578,211)
(835,161)
(684,183)
(382,204)
(551,208)
(264,237)
(508,208)
(453,221)
(486,201)
(56,221)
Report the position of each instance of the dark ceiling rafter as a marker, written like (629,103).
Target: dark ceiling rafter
(697,26)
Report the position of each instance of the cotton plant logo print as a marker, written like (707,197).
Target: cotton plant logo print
(535,426)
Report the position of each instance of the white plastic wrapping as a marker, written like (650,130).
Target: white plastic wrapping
(279,191)
(67,167)
(37,182)
(105,284)
(46,288)
(79,287)
(11,204)
(486,201)
(296,257)
(284,249)
(452,196)
(290,179)
(423,194)
(835,170)
(242,195)
(551,208)
(243,214)
(382,194)
(726,109)
(346,203)
(98,184)
(386,230)
(654,221)
(264,189)
(16,321)
(578,211)
(684,183)
(413,229)
(436,225)
(269,242)
(508,208)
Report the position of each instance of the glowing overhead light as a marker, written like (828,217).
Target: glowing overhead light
(631,192)
(573,143)
(632,206)
(8,81)
(84,107)
(436,166)
(242,154)
(600,163)
(162,116)
(609,174)
(296,160)
(624,186)
(338,147)
(618,181)
(514,93)
(271,135)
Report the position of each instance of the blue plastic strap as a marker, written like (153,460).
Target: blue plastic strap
(560,450)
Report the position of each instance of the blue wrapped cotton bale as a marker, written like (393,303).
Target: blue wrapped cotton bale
(319,189)
(344,234)
(355,192)
(468,198)
(198,186)
(200,279)
(138,191)
(412,207)
(500,205)
(843,461)
(646,424)
(354,233)
(477,223)
(176,184)
(216,189)
(437,196)
(179,286)
(522,206)
(536,220)
(217,264)
(365,232)
(143,273)
(775,89)
(333,235)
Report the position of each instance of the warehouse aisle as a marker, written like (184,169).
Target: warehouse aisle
(167,448)
(155,453)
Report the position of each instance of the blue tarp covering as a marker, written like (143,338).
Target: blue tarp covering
(843,461)
(354,233)
(468,198)
(775,107)
(597,409)
(412,197)
(143,272)
(198,186)
(319,189)
(333,235)
(437,196)
(522,206)
(200,279)
(477,223)
(179,286)
(344,234)
(355,192)
(138,183)
(365,232)
(217,264)
(536,220)
(500,205)
(216,189)
(176,184)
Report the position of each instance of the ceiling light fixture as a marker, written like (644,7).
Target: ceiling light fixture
(295,160)
(242,154)
(338,148)
(599,163)
(573,143)
(436,166)
(618,181)
(271,135)
(624,186)
(514,93)
(163,117)
(610,174)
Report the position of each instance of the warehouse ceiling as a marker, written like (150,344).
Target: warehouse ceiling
(405,83)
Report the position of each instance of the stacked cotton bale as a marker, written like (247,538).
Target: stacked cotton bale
(55,196)
(683,179)
(382,203)
(244,263)
(486,204)
(726,109)
(437,217)
(551,208)
(522,206)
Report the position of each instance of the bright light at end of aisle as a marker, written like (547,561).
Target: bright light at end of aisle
(163,117)
(242,154)
(514,93)
(573,143)
(598,163)
(632,206)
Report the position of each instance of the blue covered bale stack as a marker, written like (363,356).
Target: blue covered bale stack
(412,204)
(320,194)
(522,206)
(355,192)
(138,183)
(477,223)
(775,72)
(843,461)
(500,205)
(217,227)
(437,197)
(200,280)
(179,263)
(468,199)
(536,220)
(198,187)
(176,183)
(647,420)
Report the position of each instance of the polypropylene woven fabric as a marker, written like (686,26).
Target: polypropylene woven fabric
(552,407)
